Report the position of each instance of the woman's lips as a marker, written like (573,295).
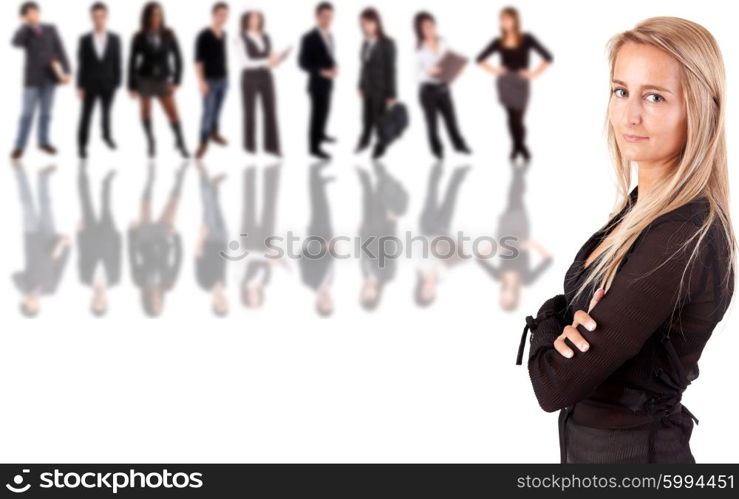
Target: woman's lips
(634,138)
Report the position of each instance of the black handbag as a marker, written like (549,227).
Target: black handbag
(392,122)
(513,90)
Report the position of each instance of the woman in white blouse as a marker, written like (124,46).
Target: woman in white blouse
(257,61)
(435,96)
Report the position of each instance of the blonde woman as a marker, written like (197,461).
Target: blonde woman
(616,350)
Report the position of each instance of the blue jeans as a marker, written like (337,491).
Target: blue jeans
(43,97)
(212,104)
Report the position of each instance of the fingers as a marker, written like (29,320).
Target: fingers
(571,333)
(582,317)
(596,298)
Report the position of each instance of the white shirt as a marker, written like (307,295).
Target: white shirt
(368,49)
(427,58)
(99,41)
(249,62)
(326,37)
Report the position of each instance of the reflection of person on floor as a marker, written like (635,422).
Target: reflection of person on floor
(317,257)
(515,269)
(256,234)
(98,243)
(46,252)
(381,207)
(155,247)
(210,264)
(434,223)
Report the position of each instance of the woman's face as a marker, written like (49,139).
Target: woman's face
(255,21)
(646,107)
(156,18)
(506,22)
(369,27)
(428,28)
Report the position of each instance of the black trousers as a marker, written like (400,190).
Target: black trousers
(258,82)
(436,99)
(320,100)
(516,127)
(372,108)
(88,104)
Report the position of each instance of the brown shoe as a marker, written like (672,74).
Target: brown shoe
(218,139)
(16,154)
(48,148)
(201,151)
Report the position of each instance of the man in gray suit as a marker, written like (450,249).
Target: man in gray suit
(46,65)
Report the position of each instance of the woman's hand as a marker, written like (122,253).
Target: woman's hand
(171,87)
(434,70)
(526,74)
(571,332)
(134,95)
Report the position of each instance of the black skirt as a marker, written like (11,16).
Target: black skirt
(666,440)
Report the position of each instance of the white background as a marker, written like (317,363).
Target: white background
(280,384)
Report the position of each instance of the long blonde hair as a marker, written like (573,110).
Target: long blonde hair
(701,168)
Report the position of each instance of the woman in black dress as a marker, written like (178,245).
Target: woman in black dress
(155,70)
(513,74)
(376,78)
(616,350)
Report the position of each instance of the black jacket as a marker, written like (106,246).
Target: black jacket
(93,73)
(314,57)
(377,75)
(41,48)
(162,61)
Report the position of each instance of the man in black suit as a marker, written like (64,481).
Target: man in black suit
(317,59)
(98,75)
(46,65)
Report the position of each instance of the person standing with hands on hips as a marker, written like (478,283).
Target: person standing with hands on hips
(46,65)
(98,75)
(376,78)
(211,67)
(317,59)
(513,75)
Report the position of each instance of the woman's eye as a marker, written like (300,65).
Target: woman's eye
(655,98)
(619,92)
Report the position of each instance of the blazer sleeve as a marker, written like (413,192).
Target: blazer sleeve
(81,62)
(390,59)
(540,49)
(21,36)
(305,59)
(489,50)
(177,60)
(133,62)
(642,296)
(60,52)
(117,60)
